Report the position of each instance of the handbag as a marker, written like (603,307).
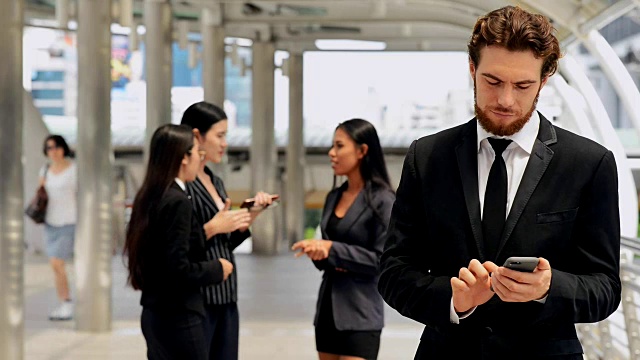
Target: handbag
(37,208)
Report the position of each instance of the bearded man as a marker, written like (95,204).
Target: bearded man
(507,183)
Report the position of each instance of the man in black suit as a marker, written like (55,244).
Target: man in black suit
(459,214)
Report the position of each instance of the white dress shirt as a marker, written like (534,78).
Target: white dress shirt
(181,184)
(516,157)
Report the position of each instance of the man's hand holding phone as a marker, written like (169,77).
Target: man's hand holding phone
(520,286)
(472,287)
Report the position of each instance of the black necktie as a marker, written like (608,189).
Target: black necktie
(495,200)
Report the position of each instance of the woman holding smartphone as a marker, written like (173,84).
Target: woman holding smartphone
(165,249)
(350,312)
(224,229)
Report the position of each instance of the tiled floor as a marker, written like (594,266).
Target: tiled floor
(276,300)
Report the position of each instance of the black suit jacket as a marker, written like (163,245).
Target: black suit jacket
(565,210)
(356,303)
(175,266)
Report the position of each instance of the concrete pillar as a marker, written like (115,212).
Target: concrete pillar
(158,62)
(295,194)
(213,55)
(263,148)
(62,12)
(94,245)
(34,131)
(11,200)
(213,74)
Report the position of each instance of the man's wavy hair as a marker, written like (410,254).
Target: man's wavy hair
(517,30)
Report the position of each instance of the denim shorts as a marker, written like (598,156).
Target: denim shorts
(59,241)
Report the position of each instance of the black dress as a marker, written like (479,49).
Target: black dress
(364,344)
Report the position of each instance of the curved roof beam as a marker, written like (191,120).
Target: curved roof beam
(573,101)
(617,74)
(602,124)
(580,17)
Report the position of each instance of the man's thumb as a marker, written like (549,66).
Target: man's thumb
(227,204)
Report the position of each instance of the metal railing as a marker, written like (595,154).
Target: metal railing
(618,337)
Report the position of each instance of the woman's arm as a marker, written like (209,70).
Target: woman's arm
(327,254)
(177,218)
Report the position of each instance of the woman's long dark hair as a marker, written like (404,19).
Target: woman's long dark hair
(372,167)
(168,146)
(202,115)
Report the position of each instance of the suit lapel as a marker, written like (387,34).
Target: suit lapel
(329,205)
(467,154)
(539,160)
(174,185)
(353,213)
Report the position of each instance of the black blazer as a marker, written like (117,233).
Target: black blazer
(356,303)
(175,267)
(565,210)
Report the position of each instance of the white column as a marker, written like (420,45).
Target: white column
(263,148)
(94,235)
(158,62)
(295,194)
(11,191)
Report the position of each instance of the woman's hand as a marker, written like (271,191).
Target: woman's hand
(226,221)
(227,268)
(314,249)
(261,201)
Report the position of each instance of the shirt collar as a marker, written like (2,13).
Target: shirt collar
(181,184)
(525,138)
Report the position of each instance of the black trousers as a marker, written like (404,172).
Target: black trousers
(222,330)
(174,336)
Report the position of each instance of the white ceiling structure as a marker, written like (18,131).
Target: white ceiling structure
(405,25)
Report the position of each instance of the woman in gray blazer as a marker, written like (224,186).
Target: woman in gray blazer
(350,312)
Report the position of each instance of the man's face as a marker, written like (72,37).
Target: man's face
(506,88)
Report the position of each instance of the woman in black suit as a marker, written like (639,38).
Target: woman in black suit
(350,312)
(165,249)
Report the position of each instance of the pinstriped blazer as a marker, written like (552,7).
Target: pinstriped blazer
(221,245)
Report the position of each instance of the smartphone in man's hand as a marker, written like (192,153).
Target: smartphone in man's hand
(524,264)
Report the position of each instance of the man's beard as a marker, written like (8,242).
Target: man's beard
(502,129)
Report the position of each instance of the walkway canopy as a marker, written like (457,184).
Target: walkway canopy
(403,24)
